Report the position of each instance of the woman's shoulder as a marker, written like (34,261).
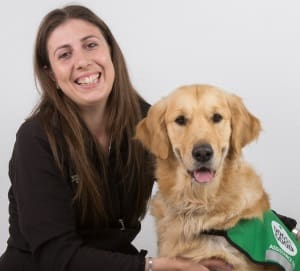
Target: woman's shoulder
(31,128)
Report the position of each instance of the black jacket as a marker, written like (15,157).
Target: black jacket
(44,229)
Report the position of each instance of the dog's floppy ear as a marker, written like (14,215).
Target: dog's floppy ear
(151,131)
(245,127)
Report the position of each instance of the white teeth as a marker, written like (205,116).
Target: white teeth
(88,80)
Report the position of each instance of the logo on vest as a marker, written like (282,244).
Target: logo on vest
(283,240)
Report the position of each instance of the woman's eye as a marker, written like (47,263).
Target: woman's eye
(181,120)
(64,55)
(216,117)
(92,45)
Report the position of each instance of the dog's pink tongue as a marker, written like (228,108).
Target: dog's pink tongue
(203,176)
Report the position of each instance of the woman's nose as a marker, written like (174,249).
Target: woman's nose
(82,60)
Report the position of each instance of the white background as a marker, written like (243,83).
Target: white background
(250,48)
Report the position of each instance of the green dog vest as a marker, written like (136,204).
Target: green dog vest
(266,240)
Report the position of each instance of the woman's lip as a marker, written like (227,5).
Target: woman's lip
(82,80)
(91,85)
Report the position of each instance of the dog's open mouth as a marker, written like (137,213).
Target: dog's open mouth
(202,175)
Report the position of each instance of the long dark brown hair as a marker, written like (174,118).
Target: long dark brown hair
(123,111)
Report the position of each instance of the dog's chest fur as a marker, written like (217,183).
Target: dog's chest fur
(183,210)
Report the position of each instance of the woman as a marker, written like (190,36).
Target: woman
(79,183)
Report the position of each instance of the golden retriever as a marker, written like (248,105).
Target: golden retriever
(197,134)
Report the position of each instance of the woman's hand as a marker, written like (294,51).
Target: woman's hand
(178,264)
(217,265)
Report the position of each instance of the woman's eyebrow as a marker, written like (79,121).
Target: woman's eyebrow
(88,37)
(82,39)
(61,47)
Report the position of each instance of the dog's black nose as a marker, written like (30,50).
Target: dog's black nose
(202,153)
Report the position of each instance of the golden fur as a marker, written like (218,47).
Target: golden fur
(202,115)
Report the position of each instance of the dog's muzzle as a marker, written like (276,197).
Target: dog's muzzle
(202,154)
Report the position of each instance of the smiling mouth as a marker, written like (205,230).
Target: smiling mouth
(92,79)
(202,175)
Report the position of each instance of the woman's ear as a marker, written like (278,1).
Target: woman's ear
(51,75)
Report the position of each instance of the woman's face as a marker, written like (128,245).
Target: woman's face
(81,63)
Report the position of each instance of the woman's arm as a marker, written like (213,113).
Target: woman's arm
(177,264)
(46,216)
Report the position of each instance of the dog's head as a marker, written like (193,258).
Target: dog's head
(201,126)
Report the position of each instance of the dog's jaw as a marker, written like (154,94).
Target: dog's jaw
(201,173)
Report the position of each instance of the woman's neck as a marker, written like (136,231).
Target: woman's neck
(95,120)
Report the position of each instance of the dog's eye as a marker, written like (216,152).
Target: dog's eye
(216,118)
(181,120)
